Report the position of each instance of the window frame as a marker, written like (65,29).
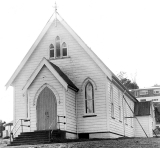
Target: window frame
(136,93)
(112,101)
(59,48)
(120,105)
(125,111)
(66,48)
(50,51)
(143,92)
(155,91)
(142,100)
(132,115)
(130,112)
(85,100)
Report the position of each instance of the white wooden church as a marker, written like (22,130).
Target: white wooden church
(62,84)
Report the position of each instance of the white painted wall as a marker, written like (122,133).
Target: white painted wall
(124,126)
(146,122)
(70,111)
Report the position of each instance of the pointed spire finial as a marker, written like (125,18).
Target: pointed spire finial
(55,7)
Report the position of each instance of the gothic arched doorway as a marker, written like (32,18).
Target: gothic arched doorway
(46,110)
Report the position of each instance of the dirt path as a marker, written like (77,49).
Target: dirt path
(123,143)
(3,142)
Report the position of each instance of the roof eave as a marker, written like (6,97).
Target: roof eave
(74,89)
(124,88)
(53,71)
(25,59)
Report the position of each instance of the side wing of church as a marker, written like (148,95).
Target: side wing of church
(61,84)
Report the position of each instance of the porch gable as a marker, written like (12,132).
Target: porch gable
(56,71)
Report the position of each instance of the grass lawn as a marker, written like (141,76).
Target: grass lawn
(118,143)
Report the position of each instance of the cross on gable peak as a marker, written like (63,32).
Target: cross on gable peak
(55,7)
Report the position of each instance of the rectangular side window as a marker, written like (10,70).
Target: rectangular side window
(120,105)
(112,101)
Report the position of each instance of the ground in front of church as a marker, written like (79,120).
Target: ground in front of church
(119,143)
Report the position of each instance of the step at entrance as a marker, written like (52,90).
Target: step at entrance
(37,137)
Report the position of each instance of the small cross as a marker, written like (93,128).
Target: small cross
(55,8)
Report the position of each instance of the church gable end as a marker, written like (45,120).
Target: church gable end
(77,60)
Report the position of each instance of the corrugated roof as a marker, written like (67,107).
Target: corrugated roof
(142,108)
(65,78)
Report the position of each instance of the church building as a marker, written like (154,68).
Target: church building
(61,84)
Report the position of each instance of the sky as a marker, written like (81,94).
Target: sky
(124,34)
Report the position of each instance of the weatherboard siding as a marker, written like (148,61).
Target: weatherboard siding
(78,66)
(98,122)
(70,111)
(116,125)
(146,123)
(19,109)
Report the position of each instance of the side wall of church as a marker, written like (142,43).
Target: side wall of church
(119,123)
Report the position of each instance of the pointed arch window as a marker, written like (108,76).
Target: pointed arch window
(89,98)
(64,49)
(51,47)
(58,49)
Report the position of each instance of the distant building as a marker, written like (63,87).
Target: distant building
(8,126)
(150,94)
(1,128)
(147,94)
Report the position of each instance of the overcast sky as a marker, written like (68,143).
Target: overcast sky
(125,35)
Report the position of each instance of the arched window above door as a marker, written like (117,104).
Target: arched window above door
(58,48)
(64,49)
(51,47)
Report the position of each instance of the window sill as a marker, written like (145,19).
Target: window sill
(85,116)
(59,58)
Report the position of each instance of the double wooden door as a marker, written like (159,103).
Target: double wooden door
(46,110)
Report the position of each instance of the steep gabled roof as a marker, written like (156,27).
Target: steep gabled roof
(65,78)
(27,56)
(102,66)
(56,71)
